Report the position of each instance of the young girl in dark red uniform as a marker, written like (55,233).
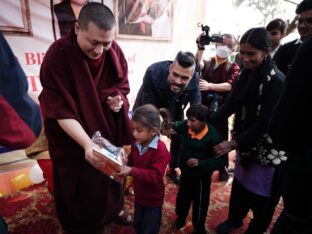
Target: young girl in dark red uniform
(147,164)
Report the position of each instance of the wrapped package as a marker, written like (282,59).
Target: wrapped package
(112,154)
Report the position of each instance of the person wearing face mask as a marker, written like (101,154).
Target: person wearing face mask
(216,79)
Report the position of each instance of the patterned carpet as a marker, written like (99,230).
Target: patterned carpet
(32,211)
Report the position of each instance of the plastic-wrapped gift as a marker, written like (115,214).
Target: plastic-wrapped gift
(112,154)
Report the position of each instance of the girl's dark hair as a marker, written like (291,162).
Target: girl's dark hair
(148,116)
(198,111)
(97,13)
(258,38)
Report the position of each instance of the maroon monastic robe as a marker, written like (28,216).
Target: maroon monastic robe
(84,196)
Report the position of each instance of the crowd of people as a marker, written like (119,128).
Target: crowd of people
(266,90)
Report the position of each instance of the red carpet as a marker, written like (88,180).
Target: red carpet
(32,211)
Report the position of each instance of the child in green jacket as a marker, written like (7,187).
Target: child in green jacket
(197,164)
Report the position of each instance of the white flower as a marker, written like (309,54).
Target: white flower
(276,161)
(271,156)
(274,152)
(283,158)
(277,156)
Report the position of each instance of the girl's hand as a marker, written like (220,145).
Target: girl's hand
(126,171)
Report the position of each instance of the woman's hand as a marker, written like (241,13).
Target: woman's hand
(222,148)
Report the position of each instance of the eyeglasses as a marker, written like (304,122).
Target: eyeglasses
(306,21)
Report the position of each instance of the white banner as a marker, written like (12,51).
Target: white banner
(29,29)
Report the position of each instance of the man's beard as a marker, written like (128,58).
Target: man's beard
(182,89)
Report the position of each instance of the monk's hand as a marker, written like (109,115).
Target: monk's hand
(97,161)
(192,162)
(125,171)
(115,103)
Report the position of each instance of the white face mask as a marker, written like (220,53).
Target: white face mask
(223,51)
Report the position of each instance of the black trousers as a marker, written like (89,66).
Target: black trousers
(242,200)
(194,190)
(175,151)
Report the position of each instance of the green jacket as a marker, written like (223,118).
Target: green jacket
(199,149)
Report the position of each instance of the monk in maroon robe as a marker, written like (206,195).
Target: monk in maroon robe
(85,84)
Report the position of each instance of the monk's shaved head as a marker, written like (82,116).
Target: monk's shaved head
(98,14)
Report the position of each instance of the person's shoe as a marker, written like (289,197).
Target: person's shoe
(223,175)
(177,225)
(174,177)
(227,226)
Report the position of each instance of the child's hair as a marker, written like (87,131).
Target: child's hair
(277,24)
(148,116)
(198,111)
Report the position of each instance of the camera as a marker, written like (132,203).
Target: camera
(205,39)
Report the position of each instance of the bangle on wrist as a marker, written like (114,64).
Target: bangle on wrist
(233,144)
